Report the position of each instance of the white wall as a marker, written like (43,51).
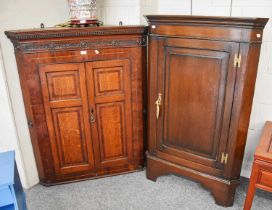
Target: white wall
(174,7)
(113,11)
(148,7)
(211,7)
(8,134)
(16,14)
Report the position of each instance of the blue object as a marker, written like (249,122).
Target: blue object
(12,196)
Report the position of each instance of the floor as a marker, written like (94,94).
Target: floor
(134,191)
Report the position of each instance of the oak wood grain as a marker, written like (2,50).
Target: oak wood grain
(55,80)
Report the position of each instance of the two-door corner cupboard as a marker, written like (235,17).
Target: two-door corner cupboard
(83,96)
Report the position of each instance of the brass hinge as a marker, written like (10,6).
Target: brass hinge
(224,158)
(237,60)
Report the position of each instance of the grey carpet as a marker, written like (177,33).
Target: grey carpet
(134,191)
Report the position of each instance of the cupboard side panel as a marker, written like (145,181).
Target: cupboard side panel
(243,98)
(138,103)
(35,114)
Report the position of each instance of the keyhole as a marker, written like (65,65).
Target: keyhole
(92,119)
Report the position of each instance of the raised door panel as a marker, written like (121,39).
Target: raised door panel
(63,85)
(66,107)
(109,90)
(194,102)
(69,130)
(111,131)
(108,81)
(197,86)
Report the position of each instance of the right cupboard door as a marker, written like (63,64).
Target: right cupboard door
(192,101)
(109,92)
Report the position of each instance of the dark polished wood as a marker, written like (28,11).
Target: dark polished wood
(261,175)
(84,99)
(199,128)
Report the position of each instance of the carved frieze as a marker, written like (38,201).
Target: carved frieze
(47,34)
(29,47)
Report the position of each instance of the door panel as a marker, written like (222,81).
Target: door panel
(69,129)
(63,85)
(66,107)
(197,85)
(108,81)
(110,127)
(193,99)
(109,90)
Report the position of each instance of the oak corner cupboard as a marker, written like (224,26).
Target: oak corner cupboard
(201,79)
(83,96)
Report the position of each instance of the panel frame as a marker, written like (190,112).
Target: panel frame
(157,147)
(214,159)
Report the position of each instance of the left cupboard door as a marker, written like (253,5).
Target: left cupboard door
(66,107)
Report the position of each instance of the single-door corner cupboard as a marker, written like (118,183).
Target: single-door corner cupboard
(82,90)
(202,73)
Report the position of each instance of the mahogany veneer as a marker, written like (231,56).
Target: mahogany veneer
(83,94)
(202,73)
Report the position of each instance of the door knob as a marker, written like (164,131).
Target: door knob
(158,104)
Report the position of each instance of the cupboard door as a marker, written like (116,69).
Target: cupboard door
(66,108)
(196,81)
(109,90)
